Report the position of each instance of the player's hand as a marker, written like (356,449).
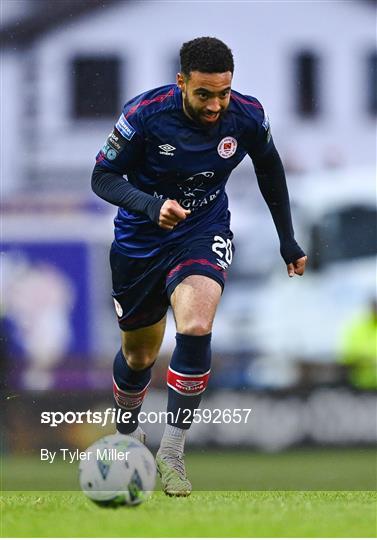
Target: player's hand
(171,214)
(297,267)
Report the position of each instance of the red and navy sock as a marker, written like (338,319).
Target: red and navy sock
(187,377)
(129,388)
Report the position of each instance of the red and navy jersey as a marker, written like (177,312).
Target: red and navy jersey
(163,152)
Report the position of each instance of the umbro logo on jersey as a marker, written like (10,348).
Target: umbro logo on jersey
(167,149)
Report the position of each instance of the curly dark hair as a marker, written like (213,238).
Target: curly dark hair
(207,55)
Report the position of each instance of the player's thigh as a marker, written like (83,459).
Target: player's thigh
(141,346)
(139,293)
(194,303)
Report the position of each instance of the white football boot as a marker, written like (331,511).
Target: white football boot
(172,472)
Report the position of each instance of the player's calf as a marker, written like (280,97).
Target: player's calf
(187,379)
(129,389)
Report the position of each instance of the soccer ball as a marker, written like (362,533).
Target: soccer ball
(117,470)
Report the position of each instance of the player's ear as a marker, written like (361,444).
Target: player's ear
(180,81)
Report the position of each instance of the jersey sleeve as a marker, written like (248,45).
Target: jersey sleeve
(124,146)
(258,138)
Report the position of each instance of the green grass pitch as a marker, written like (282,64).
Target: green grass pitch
(279,505)
(203,514)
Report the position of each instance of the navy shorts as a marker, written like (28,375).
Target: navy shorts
(142,287)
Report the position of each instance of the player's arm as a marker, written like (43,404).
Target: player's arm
(113,188)
(120,154)
(273,186)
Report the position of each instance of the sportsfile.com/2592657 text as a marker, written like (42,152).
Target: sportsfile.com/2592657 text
(113,415)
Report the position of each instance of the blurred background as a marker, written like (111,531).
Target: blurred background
(300,353)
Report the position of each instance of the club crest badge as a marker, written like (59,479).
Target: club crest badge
(227,147)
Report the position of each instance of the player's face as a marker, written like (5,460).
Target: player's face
(206,96)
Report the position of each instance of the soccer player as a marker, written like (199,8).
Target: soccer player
(165,165)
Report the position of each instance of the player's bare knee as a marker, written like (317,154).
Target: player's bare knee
(195,328)
(138,360)
(137,363)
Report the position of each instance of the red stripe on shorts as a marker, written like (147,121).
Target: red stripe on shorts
(189,262)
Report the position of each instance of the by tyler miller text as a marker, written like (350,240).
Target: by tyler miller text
(101,454)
